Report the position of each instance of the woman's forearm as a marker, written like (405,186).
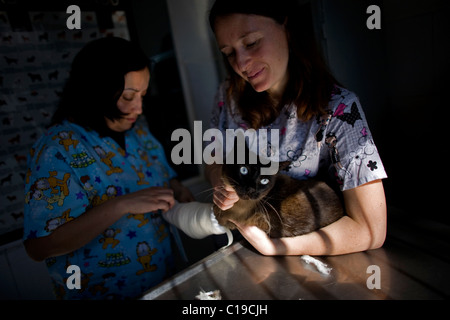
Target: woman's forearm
(341,237)
(83,229)
(362,229)
(76,233)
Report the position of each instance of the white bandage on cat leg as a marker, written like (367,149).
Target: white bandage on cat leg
(195,219)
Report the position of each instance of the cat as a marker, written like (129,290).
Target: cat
(278,204)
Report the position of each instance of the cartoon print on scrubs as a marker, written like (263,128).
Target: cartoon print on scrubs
(65,139)
(140,174)
(110,193)
(109,238)
(144,157)
(88,187)
(59,190)
(81,160)
(54,223)
(142,218)
(72,170)
(106,159)
(145,253)
(338,143)
(161,230)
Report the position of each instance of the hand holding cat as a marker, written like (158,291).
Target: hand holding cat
(225,197)
(258,239)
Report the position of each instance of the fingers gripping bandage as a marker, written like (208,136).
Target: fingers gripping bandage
(196,219)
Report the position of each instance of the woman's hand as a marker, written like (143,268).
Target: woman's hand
(224,196)
(258,239)
(147,200)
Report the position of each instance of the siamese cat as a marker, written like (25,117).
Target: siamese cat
(278,204)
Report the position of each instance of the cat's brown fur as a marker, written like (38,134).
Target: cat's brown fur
(288,207)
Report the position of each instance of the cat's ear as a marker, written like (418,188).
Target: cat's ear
(284,165)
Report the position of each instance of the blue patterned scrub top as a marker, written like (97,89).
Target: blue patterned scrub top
(72,170)
(336,146)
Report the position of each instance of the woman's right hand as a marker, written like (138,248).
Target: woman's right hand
(148,200)
(224,195)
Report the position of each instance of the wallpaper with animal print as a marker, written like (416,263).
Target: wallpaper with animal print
(34,65)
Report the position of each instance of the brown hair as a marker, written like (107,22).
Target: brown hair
(310,82)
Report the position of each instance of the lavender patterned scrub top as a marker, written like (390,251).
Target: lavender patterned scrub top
(338,145)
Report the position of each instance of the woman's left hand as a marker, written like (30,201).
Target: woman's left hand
(258,239)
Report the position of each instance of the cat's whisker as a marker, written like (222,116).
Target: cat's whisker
(279,216)
(209,193)
(265,215)
(275,210)
(204,191)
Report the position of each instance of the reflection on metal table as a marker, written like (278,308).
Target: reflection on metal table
(413,264)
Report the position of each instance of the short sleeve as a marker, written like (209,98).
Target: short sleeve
(350,145)
(53,195)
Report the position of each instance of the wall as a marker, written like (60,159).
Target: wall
(21,277)
(418,50)
(193,46)
(401,75)
(150,20)
(356,55)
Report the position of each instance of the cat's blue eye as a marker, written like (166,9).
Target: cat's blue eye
(264,181)
(243,170)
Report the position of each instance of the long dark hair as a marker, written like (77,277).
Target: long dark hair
(97,80)
(310,82)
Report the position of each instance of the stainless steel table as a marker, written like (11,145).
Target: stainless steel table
(413,264)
